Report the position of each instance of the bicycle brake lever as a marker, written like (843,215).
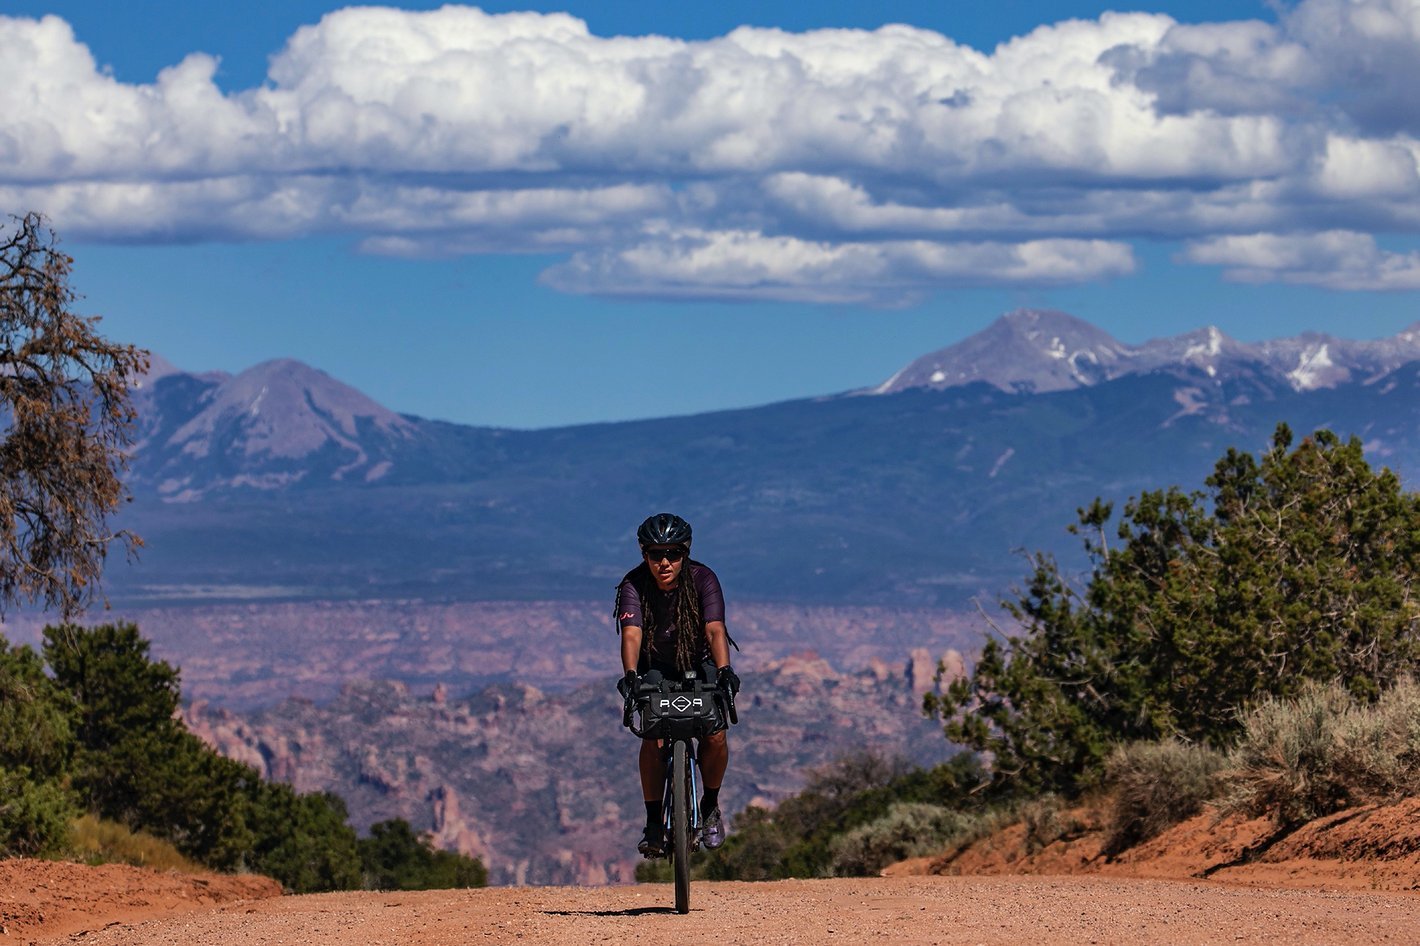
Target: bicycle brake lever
(729,699)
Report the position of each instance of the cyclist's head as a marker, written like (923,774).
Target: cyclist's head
(664,529)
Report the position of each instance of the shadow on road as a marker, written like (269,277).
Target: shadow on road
(634,911)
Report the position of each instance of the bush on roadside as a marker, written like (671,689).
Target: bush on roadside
(1047,819)
(796,838)
(1297,565)
(909,829)
(1155,785)
(36,749)
(1317,753)
(34,815)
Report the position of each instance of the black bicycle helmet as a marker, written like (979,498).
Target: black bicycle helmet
(664,529)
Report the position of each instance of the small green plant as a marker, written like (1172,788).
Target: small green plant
(1155,785)
(1047,820)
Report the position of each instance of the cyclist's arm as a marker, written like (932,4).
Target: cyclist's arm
(718,640)
(631,647)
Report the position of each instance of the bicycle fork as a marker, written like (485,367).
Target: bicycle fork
(668,796)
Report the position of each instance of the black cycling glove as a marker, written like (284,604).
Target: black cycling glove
(627,684)
(727,680)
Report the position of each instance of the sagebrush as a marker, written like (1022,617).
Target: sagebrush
(1155,785)
(1302,758)
(909,829)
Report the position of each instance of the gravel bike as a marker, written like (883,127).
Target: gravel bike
(675,712)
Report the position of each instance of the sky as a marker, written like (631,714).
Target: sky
(531,215)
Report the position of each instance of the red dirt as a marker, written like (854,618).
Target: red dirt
(942,911)
(1343,879)
(1375,847)
(51,898)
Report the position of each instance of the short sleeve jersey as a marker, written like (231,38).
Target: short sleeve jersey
(662,603)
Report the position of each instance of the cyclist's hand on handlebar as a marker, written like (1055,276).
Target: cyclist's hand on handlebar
(727,680)
(626,686)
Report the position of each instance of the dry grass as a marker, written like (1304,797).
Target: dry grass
(95,841)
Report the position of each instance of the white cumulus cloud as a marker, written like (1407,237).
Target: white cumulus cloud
(1332,260)
(749,264)
(832,164)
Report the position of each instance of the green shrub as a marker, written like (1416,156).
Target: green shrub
(909,829)
(1302,758)
(36,749)
(34,815)
(393,857)
(304,841)
(796,838)
(1155,785)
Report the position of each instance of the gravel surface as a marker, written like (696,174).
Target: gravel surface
(897,910)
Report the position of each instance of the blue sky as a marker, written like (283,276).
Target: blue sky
(523,221)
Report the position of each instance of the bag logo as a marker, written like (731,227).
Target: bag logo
(681,703)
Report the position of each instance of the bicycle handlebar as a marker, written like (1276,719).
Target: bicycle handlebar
(724,700)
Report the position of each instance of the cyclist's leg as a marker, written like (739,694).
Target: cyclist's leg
(713,755)
(653,770)
(712,752)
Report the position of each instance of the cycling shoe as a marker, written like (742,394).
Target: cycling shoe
(712,832)
(653,842)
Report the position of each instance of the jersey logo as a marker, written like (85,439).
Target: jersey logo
(626,617)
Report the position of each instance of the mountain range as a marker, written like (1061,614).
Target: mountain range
(1034,351)
(281,483)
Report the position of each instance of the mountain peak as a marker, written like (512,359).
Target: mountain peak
(278,422)
(1025,350)
(292,409)
(1042,350)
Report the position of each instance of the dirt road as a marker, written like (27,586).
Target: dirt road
(909,910)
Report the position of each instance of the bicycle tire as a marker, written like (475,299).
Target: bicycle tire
(680,824)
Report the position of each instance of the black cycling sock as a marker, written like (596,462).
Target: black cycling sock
(654,813)
(710,800)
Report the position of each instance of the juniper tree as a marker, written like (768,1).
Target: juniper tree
(65,421)
(1303,564)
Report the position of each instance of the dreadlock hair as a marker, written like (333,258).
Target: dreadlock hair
(689,629)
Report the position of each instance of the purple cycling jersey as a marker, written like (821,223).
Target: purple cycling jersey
(628,607)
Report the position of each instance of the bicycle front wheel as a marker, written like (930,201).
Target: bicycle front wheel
(680,824)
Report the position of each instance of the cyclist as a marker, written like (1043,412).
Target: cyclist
(671,613)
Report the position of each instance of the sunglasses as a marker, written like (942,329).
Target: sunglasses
(670,555)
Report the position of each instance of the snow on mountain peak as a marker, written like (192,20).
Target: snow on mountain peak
(1311,368)
(1209,347)
(1042,351)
